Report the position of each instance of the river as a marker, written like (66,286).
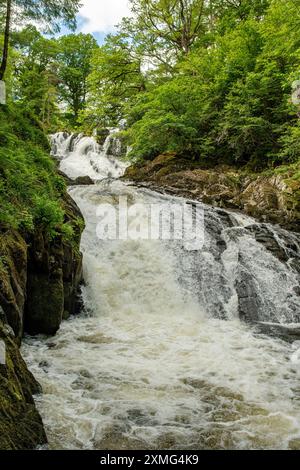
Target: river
(159,358)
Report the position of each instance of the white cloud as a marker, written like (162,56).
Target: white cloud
(101,16)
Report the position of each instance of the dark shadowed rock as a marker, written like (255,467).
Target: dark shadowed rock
(266,237)
(54,277)
(13,278)
(288,333)
(21,426)
(248,300)
(101,135)
(82,180)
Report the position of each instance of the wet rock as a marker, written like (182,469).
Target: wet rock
(54,278)
(44,365)
(287,333)
(97,338)
(68,180)
(21,426)
(274,199)
(296,289)
(282,244)
(85,373)
(13,278)
(117,146)
(248,300)
(266,237)
(45,304)
(72,142)
(83,180)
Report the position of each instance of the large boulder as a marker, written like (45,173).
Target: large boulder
(54,277)
(83,180)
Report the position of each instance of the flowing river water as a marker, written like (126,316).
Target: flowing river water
(159,358)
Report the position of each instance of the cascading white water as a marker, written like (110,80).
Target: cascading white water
(151,363)
(83,156)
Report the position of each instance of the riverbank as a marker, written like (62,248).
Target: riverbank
(40,267)
(270,196)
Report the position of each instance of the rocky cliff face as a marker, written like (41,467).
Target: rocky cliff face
(39,285)
(271,198)
(54,274)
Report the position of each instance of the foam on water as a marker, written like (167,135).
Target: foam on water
(150,363)
(82,156)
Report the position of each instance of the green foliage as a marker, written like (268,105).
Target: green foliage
(51,74)
(229,102)
(115,78)
(47,214)
(30,189)
(169,118)
(290,140)
(208,79)
(35,79)
(51,12)
(74,66)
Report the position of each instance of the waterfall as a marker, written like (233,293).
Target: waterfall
(80,155)
(169,352)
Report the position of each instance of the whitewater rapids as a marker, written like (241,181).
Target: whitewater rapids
(159,359)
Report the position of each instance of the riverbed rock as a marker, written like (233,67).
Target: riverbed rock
(288,333)
(45,306)
(271,197)
(265,236)
(82,180)
(248,300)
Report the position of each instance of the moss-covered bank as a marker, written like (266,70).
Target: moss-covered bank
(40,266)
(21,426)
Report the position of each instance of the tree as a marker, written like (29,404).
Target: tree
(35,78)
(115,78)
(74,66)
(230,102)
(49,12)
(174,24)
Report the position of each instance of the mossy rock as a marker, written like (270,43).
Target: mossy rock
(13,277)
(21,426)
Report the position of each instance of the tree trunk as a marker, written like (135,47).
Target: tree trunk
(6,39)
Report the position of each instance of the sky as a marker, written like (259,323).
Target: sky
(99,17)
